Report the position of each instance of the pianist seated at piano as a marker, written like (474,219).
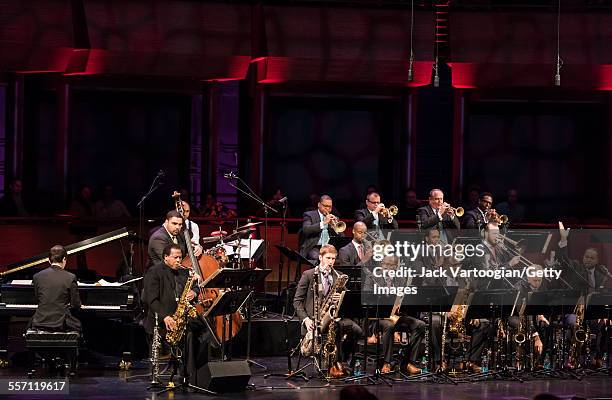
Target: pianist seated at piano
(56,293)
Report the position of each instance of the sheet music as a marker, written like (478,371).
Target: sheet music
(101,282)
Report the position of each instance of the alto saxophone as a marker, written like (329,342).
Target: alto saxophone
(184,311)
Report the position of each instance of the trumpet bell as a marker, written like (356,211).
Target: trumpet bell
(393,210)
(339,226)
(459,211)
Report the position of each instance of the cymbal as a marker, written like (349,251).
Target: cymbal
(250,224)
(237,235)
(236,244)
(218,233)
(211,239)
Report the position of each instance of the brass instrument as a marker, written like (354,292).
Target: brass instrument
(389,212)
(337,225)
(579,335)
(184,311)
(458,211)
(520,336)
(493,216)
(325,313)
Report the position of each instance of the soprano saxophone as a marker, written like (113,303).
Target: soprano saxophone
(184,311)
(155,348)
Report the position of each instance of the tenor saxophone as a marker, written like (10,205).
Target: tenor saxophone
(184,311)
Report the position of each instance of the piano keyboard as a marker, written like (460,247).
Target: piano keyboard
(83,307)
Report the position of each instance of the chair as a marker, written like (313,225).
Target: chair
(56,349)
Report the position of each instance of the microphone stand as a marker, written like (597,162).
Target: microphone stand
(250,194)
(157,182)
(281,260)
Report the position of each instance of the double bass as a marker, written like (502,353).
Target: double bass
(204,267)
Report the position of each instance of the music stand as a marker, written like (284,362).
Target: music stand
(599,306)
(427,298)
(493,304)
(339,241)
(354,274)
(250,280)
(228,302)
(557,302)
(353,307)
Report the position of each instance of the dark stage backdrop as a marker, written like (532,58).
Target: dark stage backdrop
(555,154)
(330,146)
(124,138)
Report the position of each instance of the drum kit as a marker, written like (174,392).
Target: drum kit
(220,239)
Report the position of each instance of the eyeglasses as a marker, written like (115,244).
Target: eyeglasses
(374,202)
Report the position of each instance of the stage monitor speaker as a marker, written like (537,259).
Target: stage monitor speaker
(227,376)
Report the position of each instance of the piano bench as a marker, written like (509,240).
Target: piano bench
(56,349)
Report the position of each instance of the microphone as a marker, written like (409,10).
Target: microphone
(229,175)
(419,223)
(602,269)
(283,200)
(558,74)
(411,67)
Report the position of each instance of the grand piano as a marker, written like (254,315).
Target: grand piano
(100,302)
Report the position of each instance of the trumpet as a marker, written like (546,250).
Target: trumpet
(458,211)
(493,216)
(389,212)
(337,225)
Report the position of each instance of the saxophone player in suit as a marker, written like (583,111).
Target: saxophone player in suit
(404,323)
(164,283)
(586,275)
(323,279)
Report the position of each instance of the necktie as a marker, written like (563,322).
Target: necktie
(360,251)
(324,236)
(325,284)
(591,273)
(174,239)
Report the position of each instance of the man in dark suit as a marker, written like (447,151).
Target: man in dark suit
(588,276)
(438,214)
(357,252)
(323,279)
(168,233)
(56,292)
(317,229)
(478,217)
(404,323)
(372,215)
(164,284)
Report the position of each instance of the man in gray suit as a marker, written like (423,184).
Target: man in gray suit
(169,233)
(319,282)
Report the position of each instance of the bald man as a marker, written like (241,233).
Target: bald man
(357,252)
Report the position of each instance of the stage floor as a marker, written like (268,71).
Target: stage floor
(108,383)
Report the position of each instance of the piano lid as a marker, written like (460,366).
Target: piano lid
(71,249)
